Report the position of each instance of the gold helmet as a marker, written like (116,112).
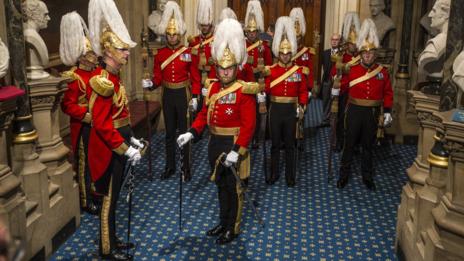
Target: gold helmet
(227,59)
(172,21)
(107,34)
(300,23)
(351,25)
(284,37)
(254,18)
(367,38)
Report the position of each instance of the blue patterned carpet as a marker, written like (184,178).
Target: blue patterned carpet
(313,221)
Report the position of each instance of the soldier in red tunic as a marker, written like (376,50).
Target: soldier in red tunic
(350,58)
(229,111)
(75,50)
(288,90)
(370,99)
(201,50)
(174,71)
(111,142)
(259,53)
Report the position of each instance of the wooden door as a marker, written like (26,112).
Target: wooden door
(273,9)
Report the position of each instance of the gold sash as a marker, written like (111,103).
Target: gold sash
(300,53)
(209,40)
(366,76)
(284,76)
(172,57)
(354,60)
(253,46)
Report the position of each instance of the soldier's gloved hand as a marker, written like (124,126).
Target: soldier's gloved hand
(184,138)
(335,92)
(137,143)
(387,119)
(134,155)
(194,104)
(231,158)
(310,94)
(147,83)
(261,97)
(299,112)
(204,91)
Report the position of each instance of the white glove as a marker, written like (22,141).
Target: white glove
(147,83)
(299,112)
(204,91)
(335,92)
(261,97)
(231,158)
(134,155)
(387,119)
(194,104)
(310,94)
(137,143)
(184,138)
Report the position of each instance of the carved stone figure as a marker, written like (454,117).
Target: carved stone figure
(383,23)
(4,59)
(432,58)
(36,18)
(154,19)
(458,69)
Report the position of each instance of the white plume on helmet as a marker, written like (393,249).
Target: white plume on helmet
(205,13)
(351,19)
(172,9)
(104,13)
(229,33)
(368,34)
(254,9)
(297,15)
(284,27)
(227,13)
(73,32)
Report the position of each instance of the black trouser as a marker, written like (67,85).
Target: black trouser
(230,197)
(326,95)
(85,182)
(282,123)
(175,109)
(342,99)
(111,183)
(361,126)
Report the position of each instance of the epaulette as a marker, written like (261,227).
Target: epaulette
(209,82)
(312,50)
(190,39)
(101,85)
(70,75)
(305,70)
(250,60)
(250,87)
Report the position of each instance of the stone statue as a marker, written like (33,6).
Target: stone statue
(36,18)
(458,76)
(383,23)
(432,58)
(155,18)
(4,59)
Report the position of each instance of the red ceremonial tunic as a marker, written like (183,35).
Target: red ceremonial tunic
(201,58)
(293,86)
(75,103)
(347,58)
(377,87)
(109,112)
(306,60)
(262,50)
(235,109)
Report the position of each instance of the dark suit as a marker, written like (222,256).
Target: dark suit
(326,82)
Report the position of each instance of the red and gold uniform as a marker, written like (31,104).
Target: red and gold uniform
(75,104)
(201,59)
(288,89)
(175,73)
(304,58)
(229,113)
(369,95)
(259,55)
(244,73)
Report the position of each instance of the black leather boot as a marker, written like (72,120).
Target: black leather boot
(167,173)
(226,237)
(216,231)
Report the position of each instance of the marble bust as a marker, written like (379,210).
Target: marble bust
(4,59)
(36,18)
(431,60)
(383,23)
(154,19)
(458,69)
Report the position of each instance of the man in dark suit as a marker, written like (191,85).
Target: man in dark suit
(327,65)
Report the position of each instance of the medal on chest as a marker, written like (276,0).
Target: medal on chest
(230,98)
(296,77)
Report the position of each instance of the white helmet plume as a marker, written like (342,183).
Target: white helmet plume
(227,13)
(73,31)
(284,27)
(297,15)
(229,33)
(205,12)
(254,9)
(367,38)
(172,9)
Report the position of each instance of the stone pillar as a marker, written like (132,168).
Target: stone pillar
(444,240)
(12,202)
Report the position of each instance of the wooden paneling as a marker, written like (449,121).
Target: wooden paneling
(273,9)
